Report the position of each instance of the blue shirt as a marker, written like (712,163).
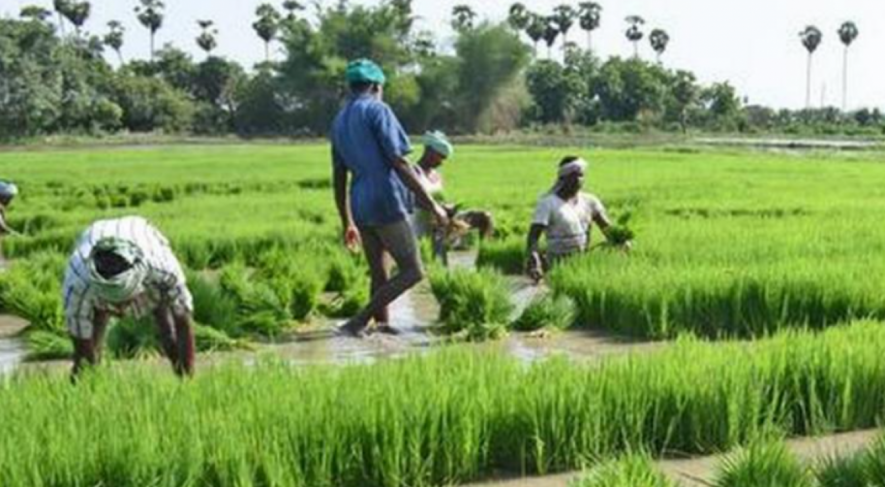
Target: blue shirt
(366,139)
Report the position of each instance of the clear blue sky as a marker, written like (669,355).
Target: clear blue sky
(752,43)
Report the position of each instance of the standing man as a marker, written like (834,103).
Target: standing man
(566,215)
(369,143)
(125,266)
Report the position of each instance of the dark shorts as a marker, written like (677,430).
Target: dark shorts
(397,239)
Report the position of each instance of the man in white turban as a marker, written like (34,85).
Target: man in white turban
(120,267)
(566,215)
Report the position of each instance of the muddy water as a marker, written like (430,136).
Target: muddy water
(12,350)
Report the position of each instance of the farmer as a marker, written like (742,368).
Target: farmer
(566,215)
(438,149)
(125,266)
(8,191)
(369,142)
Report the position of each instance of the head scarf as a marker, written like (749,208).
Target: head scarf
(125,285)
(440,144)
(577,166)
(8,190)
(364,71)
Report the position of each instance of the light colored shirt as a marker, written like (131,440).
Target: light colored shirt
(366,139)
(419,218)
(568,222)
(164,284)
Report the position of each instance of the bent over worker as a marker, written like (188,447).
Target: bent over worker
(369,143)
(123,267)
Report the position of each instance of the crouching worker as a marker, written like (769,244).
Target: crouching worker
(125,267)
(8,192)
(566,215)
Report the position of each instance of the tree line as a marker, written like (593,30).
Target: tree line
(55,76)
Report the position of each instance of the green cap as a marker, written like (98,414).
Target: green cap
(437,141)
(364,71)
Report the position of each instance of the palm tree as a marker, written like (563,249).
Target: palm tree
(589,16)
(847,34)
(634,32)
(659,40)
(35,13)
(551,32)
(462,18)
(811,38)
(206,39)
(564,16)
(518,17)
(114,38)
(292,6)
(62,7)
(267,25)
(150,14)
(535,28)
(77,14)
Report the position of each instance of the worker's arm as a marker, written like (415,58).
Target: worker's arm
(604,224)
(534,266)
(184,335)
(404,170)
(87,351)
(339,183)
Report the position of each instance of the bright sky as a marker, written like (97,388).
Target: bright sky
(754,44)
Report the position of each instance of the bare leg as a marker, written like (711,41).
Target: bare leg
(87,351)
(399,240)
(380,274)
(177,339)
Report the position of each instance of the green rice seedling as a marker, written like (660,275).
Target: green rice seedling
(31,289)
(847,471)
(48,345)
(630,471)
(212,306)
(345,273)
(473,303)
(507,256)
(764,463)
(548,311)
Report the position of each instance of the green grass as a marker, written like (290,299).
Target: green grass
(630,471)
(447,417)
(475,304)
(764,463)
(548,311)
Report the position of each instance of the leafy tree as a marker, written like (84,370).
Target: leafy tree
(62,8)
(150,15)
(811,38)
(35,13)
(535,29)
(684,96)
(634,32)
(463,18)
(564,17)
(628,88)
(216,85)
(268,25)
(261,109)
(551,32)
(848,32)
(659,40)
(151,104)
(723,104)
(114,38)
(555,91)
(589,17)
(206,40)
(518,17)
(77,13)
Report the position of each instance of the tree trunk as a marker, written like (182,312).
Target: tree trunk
(535,49)
(120,57)
(267,51)
(152,46)
(590,41)
(61,24)
(808,84)
(845,80)
(636,49)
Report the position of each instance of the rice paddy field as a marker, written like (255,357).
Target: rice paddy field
(760,273)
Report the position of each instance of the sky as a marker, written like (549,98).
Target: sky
(753,44)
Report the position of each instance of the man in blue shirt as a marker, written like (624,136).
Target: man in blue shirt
(369,143)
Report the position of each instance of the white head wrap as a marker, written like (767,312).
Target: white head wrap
(125,285)
(437,141)
(8,189)
(577,166)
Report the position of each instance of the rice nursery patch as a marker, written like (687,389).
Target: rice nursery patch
(630,471)
(447,417)
(548,311)
(475,304)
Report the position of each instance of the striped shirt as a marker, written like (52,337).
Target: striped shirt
(164,285)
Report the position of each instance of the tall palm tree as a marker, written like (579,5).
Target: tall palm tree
(518,17)
(564,16)
(659,40)
(634,32)
(150,14)
(114,38)
(551,32)
(267,26)
(206,40)
(848,32)
(589,16)
(61,7)
(535,30)
(811,38)
(292,6)
(35,13)
(78,13)
(463,17)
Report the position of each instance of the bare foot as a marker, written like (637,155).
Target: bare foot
(353,328)
(386,329)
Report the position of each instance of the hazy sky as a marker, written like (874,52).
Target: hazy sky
(752,43)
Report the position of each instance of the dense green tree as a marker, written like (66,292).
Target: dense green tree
(62,8)
(555,91)
(518,17)
(848,32)
(551,32)
(723,105)
(811,38)
(684,96)
(150,104)
(150,15)
(78,13)
(627,89)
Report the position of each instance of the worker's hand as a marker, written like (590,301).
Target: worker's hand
(352,239)
(440,215)
(534,269)
(627,246)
